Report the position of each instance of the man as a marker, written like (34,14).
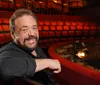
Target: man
(23,57)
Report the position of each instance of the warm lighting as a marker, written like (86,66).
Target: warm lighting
(11,1)
(55,1)
(80,54)
(40,2)
(65,4)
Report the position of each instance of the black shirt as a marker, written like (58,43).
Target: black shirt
(18,62)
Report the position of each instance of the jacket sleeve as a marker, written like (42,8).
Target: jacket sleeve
(16,64)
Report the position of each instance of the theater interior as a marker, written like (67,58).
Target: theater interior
(69,31)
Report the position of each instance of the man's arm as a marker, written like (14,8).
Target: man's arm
(16,67)
(41,64)
(24,66)
(52,64)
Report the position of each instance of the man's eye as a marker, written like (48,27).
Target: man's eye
(34,27)
(24,30)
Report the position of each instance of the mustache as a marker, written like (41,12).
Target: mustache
(31,37)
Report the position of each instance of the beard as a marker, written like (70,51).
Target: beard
(29,47)
(30,43)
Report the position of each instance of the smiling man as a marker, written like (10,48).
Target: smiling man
(23,57)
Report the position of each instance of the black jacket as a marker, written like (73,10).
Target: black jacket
(18,62)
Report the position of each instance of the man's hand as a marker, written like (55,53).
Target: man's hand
(55,65)
(52,64)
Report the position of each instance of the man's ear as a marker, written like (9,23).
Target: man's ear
(13,35)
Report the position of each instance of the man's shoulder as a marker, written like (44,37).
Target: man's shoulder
(12,50)
(9,47)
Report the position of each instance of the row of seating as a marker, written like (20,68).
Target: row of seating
(56,25)
(46,22)
(64,33)
(49,37)
(4,21)
(58,28)
(56,31)
(9,5)
(51,34)
(73,23)
(68,28)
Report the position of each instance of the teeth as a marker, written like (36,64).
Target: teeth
(31,41)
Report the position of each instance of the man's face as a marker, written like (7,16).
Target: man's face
(26,32)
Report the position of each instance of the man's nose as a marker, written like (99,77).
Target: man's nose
(31,31)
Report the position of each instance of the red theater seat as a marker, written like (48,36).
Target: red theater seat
(18,5)
(51,41)
(59,27)
(93,27)
(64,33)
(72,27)
(51,34)
(78,33)
(46,28)
(53,23)
(86,27)
(45,34)
(37,4)
(71,33)
(80,4)
(57,40)
(85,23)
(66,28)
(73,23)
(59,22)
(40,22)
(1,20)
(79,23)
(45,43)
(4,4)
(6,21)
(40,34)
(11,5)
(74,4)
(5,27)
(40,28)
(79,27)
(46,23)
(0,4)
(1,28)
(67,23)
(58,33)
(8,36)
(2,38)
(52,28)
